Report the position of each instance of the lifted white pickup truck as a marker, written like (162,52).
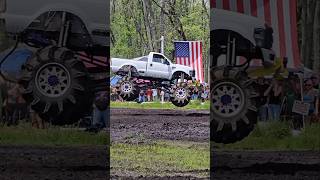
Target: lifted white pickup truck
(155,65)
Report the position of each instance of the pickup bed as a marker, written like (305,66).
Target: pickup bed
(155,65)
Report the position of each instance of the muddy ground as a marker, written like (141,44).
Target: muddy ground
(132,125)
(127,126)
(139,125)
(53,163)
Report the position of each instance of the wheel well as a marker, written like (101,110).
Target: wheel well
(244,47)
(48,26)
(177,73)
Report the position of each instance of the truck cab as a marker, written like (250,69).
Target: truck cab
(155,65)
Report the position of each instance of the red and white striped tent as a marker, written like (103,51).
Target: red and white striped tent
(281,15)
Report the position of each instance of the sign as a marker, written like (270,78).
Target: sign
(301,108)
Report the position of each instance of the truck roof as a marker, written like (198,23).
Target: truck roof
(280,15)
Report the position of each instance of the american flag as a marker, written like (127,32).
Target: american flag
(189,53)
(281,15)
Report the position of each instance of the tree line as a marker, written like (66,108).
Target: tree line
(137,26)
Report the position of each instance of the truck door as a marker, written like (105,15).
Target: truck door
(156,68)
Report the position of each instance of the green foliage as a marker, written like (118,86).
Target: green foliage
(160,158)
(25,135)
(158,105)
(278,136)
(129,37)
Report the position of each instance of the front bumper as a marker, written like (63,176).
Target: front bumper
(268,57)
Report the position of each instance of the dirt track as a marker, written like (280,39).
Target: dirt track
(132,125)
(129,125)
(265,165)
(26,162)
(40,163)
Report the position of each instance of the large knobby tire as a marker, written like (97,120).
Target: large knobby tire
(57,85)
(129,90)
(233,111)
(180,94)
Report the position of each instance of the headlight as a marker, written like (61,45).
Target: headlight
(264,37)
(3,6)
(192,73)
(259,34)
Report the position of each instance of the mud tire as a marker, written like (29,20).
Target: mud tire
(56,85)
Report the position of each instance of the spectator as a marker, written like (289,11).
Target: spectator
(162,95)
(262,98)
(204,96)
(3,95)
(149,94)
(167,96)
(274,92)
(21,107)
(292,90)
(154,94)
(10,106)
(310,96)
(36,121)
(195,93)
(316,86)
(315,81)
(101,112)
(141,96)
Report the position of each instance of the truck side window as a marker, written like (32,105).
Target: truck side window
(144,59)
(157,58)
(165,61)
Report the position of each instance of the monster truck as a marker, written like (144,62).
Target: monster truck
(157,68)
(69,41)
(240,34)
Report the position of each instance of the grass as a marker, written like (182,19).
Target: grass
(25,135)
(193,105)
(278,136)
(160,158)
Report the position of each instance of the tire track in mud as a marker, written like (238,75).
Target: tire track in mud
(67,163)
(291,165)
(132,125)
(240,165)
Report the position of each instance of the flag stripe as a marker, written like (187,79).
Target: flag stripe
(226,4)
(287,30)
(197,60)
(240,7)
(201,64)
(281,29)
(267,11)
(189,53)
(253,8)
(294,34)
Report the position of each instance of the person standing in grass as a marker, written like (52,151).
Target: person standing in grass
(262,99)
(101,111)
(310,95)
(36,121)
(141,96)
(3,94)
(274,92)
(10,106)
(154,94)
(149,94)
(162,95)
